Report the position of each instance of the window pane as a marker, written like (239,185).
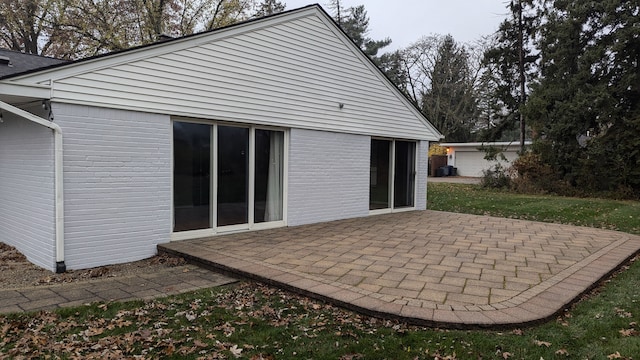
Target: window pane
(191,176)
(379,178)
(233,175)
(268,175)
(405,174)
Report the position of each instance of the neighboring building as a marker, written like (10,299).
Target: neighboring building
(469,159)
(280,121)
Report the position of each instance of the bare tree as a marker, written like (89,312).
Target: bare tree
(74,29)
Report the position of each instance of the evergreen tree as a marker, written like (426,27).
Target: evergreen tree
(269,7)
(586,107)
(354,21)
(503,75)
(450,102)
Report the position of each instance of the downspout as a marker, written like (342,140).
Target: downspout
(58,177)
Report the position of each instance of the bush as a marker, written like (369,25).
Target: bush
(495,177)
(531,175)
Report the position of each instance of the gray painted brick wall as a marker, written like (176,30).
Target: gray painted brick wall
(422,169)
(27,210)
(328,176)
(117,184)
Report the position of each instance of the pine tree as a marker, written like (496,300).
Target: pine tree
(269,7)
(586,107)
(450,103)
(510,65)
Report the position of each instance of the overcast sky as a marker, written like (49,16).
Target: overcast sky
(405,21)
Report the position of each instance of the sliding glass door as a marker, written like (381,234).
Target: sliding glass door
(269,175)
(191,176)
(245,166)
(380,166)
(392,176)
(405,174)
(233,175)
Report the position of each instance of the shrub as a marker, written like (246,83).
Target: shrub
(531,175)
(495,177)
(498,175)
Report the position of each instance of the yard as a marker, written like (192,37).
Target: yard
(254,321)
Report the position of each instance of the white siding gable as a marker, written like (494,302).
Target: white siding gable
(292,70)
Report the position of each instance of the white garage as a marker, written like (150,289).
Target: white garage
(469,159)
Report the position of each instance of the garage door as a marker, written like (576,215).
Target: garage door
(471,163)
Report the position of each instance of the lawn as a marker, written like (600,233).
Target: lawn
(255,321)
(599,213)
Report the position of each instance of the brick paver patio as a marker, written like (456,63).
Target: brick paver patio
(166,282)
(426,267)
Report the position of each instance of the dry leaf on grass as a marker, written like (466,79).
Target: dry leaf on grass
(627,332)
(236,351)
(542,343)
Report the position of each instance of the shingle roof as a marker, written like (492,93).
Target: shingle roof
(14,62)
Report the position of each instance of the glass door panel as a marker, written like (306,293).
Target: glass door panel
(379,176)
(404,181)
(191,176)
(233,175)
(269,177)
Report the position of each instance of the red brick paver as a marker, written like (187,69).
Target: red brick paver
(426,267)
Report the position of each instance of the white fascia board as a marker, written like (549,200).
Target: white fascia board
(478,144)
(25,90)
(157,49)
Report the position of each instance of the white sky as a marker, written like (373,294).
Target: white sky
(405,21)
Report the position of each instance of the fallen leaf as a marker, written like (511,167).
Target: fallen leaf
(627,332)
(145,334)
(94,331)
(351,357)
(616,355)
(190,316)
(562,352)
(199,343)
(506,355)
(623,313)
(542,343)
(517,332)
(237,352)
(262,357)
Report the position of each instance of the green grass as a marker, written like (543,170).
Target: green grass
(267,323)
(599,213)
(254,321)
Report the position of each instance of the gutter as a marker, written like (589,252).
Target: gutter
(58,178)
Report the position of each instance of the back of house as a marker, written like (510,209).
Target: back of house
(280,121)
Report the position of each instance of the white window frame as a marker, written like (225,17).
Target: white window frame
(250,225)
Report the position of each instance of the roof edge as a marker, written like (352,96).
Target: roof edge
(497,143)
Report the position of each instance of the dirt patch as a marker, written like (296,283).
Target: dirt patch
(17,272)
